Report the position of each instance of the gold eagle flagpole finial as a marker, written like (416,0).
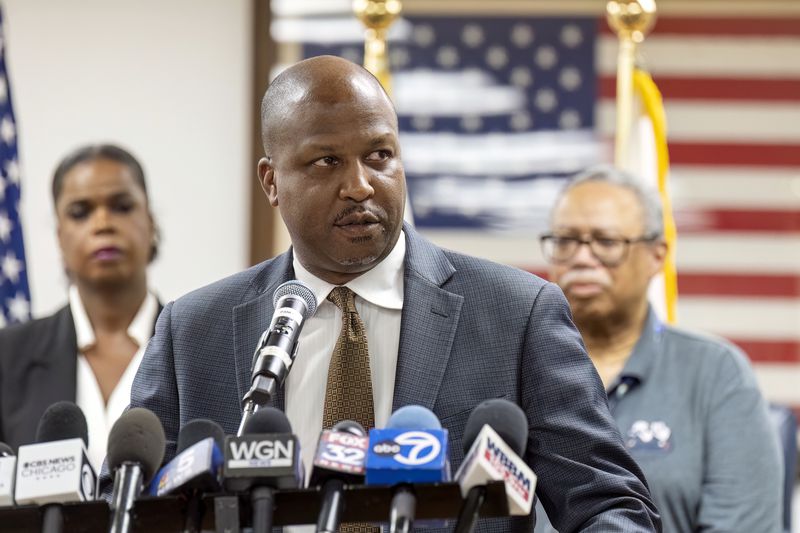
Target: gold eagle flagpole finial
(631,20)
(377,16)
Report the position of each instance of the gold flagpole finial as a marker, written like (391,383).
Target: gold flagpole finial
(632,20)
(377,16)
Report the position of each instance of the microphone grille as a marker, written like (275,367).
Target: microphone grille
(413,417)
(137,437)
(506,418)
(61,421)
(301,290)
(267,420)
(350,426)
(197,430)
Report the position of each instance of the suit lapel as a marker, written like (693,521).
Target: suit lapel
(56,355)
(68,366)
(62,360)
(429,323)
(251,318)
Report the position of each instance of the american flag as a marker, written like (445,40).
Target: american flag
(496,111)
(14,292)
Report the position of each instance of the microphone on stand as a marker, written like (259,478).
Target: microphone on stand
(294,304)
(338,461)
(494,441)
(265,458)
(196,468)
(56,469)
(135,451)
(412,449)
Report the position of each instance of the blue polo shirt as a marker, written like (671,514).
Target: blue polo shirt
(691,414)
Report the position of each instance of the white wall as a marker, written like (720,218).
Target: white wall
(170,80)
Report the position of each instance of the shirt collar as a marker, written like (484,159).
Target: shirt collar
(382,285)
(140,329)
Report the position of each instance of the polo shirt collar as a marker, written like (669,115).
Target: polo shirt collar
(639,365)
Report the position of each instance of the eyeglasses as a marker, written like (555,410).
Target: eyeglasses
(609,251)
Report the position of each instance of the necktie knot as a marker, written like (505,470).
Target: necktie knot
(344,299)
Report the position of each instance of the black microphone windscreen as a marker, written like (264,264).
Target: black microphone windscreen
(5,450)
(350,426)
(301,290)
(505,417)
(137,437)
(196,430)
(61,421)
(267,420)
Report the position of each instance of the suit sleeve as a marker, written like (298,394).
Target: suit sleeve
(742,479)
(587,481)
(155,388)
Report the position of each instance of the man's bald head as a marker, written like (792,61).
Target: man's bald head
(323,80)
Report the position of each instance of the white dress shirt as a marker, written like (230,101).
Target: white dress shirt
(100,416)
(379,301)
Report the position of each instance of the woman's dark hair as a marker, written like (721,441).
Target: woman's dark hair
(111,152)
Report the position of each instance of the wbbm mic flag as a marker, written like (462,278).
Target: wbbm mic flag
(14,292)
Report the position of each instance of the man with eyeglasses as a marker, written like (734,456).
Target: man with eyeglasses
(688,406)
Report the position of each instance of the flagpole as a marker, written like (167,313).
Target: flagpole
(631,20)
(377,16)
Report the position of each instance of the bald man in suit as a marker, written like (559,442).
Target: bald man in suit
(444,330)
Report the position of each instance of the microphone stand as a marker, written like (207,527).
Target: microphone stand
(52,519)
(127,485)
(262,500)
(250,409)
(470,510)
(259,395)
(403,510)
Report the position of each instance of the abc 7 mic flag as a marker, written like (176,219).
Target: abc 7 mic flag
(409,456)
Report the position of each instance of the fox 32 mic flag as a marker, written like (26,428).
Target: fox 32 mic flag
(14,292)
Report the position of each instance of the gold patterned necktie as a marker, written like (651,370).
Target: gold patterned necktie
(348,395)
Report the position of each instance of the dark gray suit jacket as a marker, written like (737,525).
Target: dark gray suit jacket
(38,367)
(471,330)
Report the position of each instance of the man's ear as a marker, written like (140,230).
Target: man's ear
(266,175)
(659,251)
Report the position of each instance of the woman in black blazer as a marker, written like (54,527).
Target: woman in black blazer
(88,351)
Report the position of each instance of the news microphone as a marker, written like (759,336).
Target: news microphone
(495,437)
(135,451)
(412,449)
(294,304)
(338,461)
(266,457)
(8,465)
(195,469)
(56,469)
